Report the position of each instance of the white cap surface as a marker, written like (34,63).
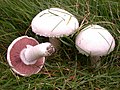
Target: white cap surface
(95,40)
(54,22)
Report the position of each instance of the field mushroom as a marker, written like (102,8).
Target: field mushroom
(54,23)
(26,56)
(95,41)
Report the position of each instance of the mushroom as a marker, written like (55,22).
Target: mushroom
(26,56)
(95,41)
(54,23)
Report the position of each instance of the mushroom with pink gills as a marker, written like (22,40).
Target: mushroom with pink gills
(54,23)
(95,41)
(26,56)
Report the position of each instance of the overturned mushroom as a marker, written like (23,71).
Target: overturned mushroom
(95,41)
(26,56)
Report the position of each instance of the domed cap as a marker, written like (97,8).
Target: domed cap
(54,22)
(95,40)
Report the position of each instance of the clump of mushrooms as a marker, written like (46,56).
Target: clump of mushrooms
(26,56)
(95,41)
(54,23)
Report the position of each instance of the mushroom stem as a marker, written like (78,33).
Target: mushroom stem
(55,42)
(30,54)
(95,61)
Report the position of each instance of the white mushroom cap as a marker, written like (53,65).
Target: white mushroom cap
(54,22)
(95,40)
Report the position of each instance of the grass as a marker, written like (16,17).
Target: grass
(67,69)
